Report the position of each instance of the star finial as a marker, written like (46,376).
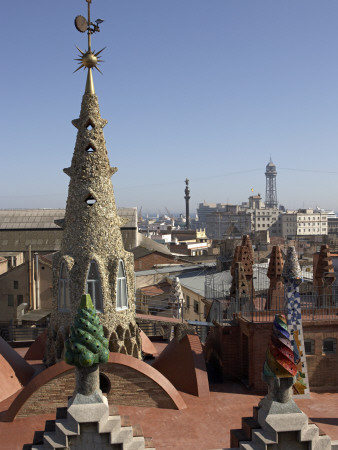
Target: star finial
(88,59)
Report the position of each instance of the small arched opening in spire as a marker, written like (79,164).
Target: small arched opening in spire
(121,288)
(93,286)
(90,148)
(90,200)
(89,125)
(63,288)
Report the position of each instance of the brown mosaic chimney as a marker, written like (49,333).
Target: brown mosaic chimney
(235,260)
(244,255)
(246,242)
(275,300)
(239,286)
(324,276)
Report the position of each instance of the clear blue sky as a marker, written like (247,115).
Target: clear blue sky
(204,89)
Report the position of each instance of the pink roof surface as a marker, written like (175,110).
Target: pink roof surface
(9,383)
(147,346)
(205,424)
(22,369)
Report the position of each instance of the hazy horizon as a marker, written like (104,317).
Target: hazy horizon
(205,90)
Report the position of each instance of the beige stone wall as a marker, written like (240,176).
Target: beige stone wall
(190,312)
(19,274)
(3,265)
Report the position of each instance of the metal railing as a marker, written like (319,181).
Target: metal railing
(314,306)
(12,333)
(155,306)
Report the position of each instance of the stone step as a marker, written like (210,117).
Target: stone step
(334,445)
(50,441)
(309,433)
(321,443)
(113,424)
(251,446)
(263,437)
(321,432)
(125,435)
(63,427)
(136,444)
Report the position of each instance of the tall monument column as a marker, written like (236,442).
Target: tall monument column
(92,258)
(187,198)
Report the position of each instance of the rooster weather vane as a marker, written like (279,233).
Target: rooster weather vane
(88,59)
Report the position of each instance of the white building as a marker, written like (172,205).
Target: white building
(304,222)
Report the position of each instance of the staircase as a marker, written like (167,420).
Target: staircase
(253,437)
(111,431)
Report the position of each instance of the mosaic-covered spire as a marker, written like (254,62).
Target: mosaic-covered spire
(92,257)
(293,278)
(291,269)
(275,299)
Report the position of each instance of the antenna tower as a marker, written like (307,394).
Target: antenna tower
(271,190)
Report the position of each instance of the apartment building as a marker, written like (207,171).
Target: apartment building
(304,222)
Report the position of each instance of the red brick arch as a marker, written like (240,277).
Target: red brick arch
(52,387)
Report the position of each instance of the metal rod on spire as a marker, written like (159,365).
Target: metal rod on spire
(88,59)
(89,30)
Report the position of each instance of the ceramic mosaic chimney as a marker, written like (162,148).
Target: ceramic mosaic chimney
(292,276)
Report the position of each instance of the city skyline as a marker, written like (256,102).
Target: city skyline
(205,91)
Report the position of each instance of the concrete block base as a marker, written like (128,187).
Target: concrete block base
(88,425)
(284,427)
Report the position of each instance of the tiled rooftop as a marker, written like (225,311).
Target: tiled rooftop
(13,219)
(204,425)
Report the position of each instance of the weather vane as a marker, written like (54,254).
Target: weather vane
(88,59)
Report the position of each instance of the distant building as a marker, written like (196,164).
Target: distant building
(204,209)
(231,221)
(304,222)
(42,229)
(27,286)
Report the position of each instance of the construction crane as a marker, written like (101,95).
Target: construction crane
(169,213)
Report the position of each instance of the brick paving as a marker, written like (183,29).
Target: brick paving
(204,425)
